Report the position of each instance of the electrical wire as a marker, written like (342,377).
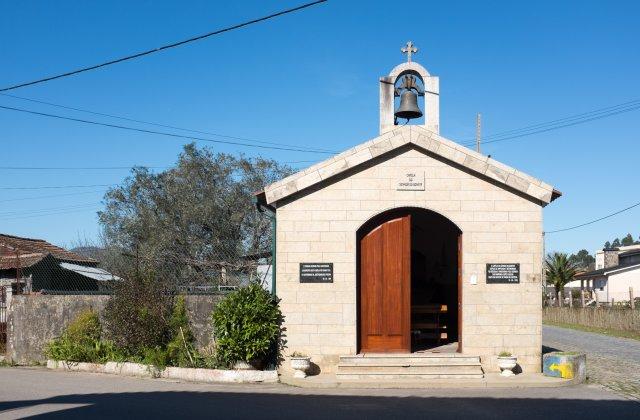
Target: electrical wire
(595,220)
(164,47)
(75,168)
(55,187)
(84,168)
(162,133)
(173,127)
(566,119)
(44,215)
(47,209)
(560,123)
(40,197)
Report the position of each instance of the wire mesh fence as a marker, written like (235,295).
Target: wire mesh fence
(30,266)
(3,319)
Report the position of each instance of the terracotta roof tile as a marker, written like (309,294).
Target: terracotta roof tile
(33,250)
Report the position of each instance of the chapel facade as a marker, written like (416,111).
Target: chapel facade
(410,245)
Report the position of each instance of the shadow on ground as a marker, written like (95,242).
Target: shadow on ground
(547,349)
(231,405)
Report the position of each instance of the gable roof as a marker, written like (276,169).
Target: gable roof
(605,272)
(32,251)
(423,139)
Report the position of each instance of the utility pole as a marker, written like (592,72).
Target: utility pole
(478,131)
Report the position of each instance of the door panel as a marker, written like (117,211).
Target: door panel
(459,279)
(385,287)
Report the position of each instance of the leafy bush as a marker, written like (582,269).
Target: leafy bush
(247,326)
(137,315)
(80,341)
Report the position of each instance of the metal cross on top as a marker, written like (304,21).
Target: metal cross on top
(409,49)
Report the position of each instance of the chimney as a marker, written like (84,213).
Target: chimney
(610,257)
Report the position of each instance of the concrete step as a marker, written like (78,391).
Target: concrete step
(415,366)
(405,377)
(411,360)
(410,370)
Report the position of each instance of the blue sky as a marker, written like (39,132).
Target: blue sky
(311,79)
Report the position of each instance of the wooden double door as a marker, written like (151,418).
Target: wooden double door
(385,287)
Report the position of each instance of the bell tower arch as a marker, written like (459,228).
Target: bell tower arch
(388,92)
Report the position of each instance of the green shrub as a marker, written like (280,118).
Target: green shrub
(137,315)
(247,326)
(80,341)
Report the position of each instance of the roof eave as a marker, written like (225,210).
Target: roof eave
(420,138)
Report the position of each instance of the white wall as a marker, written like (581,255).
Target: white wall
(619,283)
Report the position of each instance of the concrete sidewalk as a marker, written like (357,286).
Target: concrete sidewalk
(491,380)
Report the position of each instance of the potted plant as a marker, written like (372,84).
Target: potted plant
(506,363)
(300,363)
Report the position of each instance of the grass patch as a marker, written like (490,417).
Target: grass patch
(605,331)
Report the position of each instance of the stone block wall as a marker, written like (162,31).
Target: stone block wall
(499,225)
(34,320)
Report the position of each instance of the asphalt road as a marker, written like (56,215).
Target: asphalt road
(38,392)
(611,361)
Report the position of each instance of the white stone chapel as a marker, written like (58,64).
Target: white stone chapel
(410,254)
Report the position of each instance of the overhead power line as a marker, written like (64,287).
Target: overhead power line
(595,220)
(560,123)
(75,168)
(566,119)
(173,127)
(40,197)
(46,214)
(162,133)
(47,210)
(55,187)
(85,168)
(164,47)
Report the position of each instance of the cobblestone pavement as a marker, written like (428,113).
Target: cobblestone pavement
(611,361)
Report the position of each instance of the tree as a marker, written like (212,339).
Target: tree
(582,259)
(607,245)
(192,221)
(559,270)
(627,240)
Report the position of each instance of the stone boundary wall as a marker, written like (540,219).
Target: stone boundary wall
(33,320)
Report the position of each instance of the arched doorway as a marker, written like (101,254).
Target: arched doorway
(409,289)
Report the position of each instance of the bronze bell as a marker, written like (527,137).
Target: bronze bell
(408,108)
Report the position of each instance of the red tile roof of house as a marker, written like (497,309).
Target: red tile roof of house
(30,251)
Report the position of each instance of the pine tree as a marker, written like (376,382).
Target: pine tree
(627,240)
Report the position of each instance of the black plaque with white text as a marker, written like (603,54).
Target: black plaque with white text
(503,273)
(316,272)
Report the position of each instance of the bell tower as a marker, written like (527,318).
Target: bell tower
(409,81)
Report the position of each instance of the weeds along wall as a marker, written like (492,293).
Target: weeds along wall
(34,320)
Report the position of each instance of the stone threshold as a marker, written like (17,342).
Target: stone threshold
(490,380)
(183,374)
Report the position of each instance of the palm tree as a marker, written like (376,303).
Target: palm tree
(559,269)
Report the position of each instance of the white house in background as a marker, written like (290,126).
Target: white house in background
(617,269)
